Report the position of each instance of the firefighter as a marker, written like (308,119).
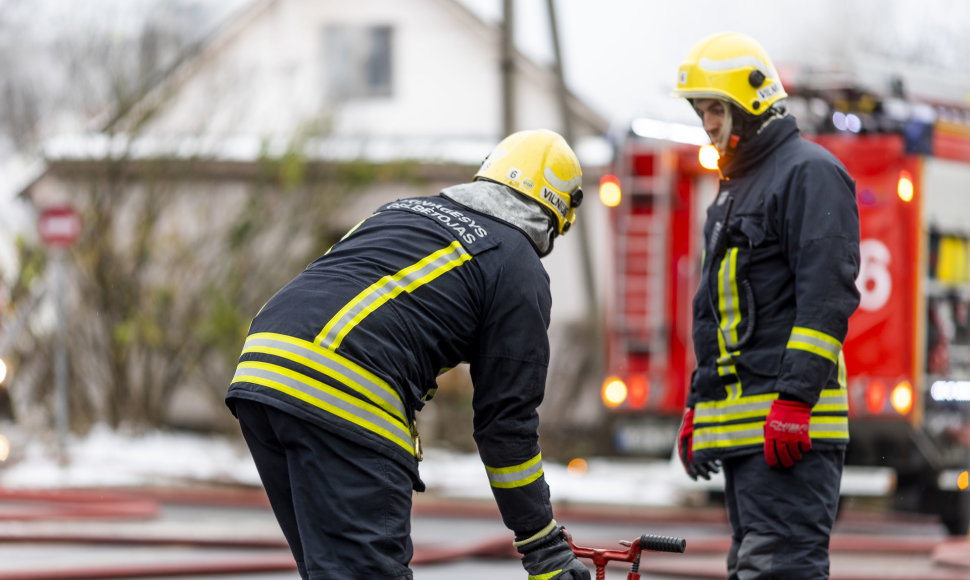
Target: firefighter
(767,400)
(338,363)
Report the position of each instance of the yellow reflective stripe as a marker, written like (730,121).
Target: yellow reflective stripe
(728,435)
(347,235)
(730,318)
(545,576)
(540,534)
(829,401)
(725,367)
(388,288)
(327,362)
(815,342)
(843,373)
(733,390)
(515,475)
(327,398)
(741,434)
(829,428)
(727,299)
(832,401)
(733,409)
(725,362)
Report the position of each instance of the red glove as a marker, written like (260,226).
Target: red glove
(786,432)
(685,443)
(684,439)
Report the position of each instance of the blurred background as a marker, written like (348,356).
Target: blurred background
(166,165)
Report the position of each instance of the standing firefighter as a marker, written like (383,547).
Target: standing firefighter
(339,361)
(767,400)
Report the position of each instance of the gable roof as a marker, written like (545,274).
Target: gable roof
(195,57)
(165,83)
(117,134)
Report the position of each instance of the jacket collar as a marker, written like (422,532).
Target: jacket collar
(752,152)
(509,206)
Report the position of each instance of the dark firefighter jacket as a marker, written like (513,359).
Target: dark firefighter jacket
(354,343)
(776,293)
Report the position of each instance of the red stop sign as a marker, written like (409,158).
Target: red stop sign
(59,226)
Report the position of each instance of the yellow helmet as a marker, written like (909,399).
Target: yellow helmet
(541,165)
(730,66)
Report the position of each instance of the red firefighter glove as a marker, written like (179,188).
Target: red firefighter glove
(786,432)
(685,443)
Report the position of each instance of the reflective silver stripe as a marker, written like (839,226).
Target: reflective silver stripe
(753,433)
(327,398)
(843,373)
(727,299)
(710,417)
(829,428)
(347,372)
(830,400)
(728,435)
(736,62)
(563,185)
(515,475)
(388,288)
(730,314)
(733,409)
(815,342)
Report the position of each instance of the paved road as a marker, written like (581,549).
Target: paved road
(214,535)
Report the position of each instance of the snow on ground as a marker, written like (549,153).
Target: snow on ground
(107,458)
(603,481)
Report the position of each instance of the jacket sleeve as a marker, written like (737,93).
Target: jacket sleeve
(691,392)
(821,238)
(509,374)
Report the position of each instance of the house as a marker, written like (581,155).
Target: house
(380,81)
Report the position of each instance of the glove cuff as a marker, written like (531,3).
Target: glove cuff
(549,529)
(793,405)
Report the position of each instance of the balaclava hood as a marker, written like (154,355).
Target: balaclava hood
(507,205)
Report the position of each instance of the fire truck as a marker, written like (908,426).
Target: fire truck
(908,346)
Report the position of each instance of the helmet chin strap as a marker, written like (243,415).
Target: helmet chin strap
(740,126)
(727,127)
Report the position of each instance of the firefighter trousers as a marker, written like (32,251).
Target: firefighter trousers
(345,509)
(781,518)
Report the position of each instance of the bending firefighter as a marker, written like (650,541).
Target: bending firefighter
(767,401)
(338,363)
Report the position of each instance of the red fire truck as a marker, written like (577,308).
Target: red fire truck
(908,347)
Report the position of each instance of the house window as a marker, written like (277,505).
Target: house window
(358,61)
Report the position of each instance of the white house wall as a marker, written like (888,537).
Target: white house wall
(267,79)
(263,77)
